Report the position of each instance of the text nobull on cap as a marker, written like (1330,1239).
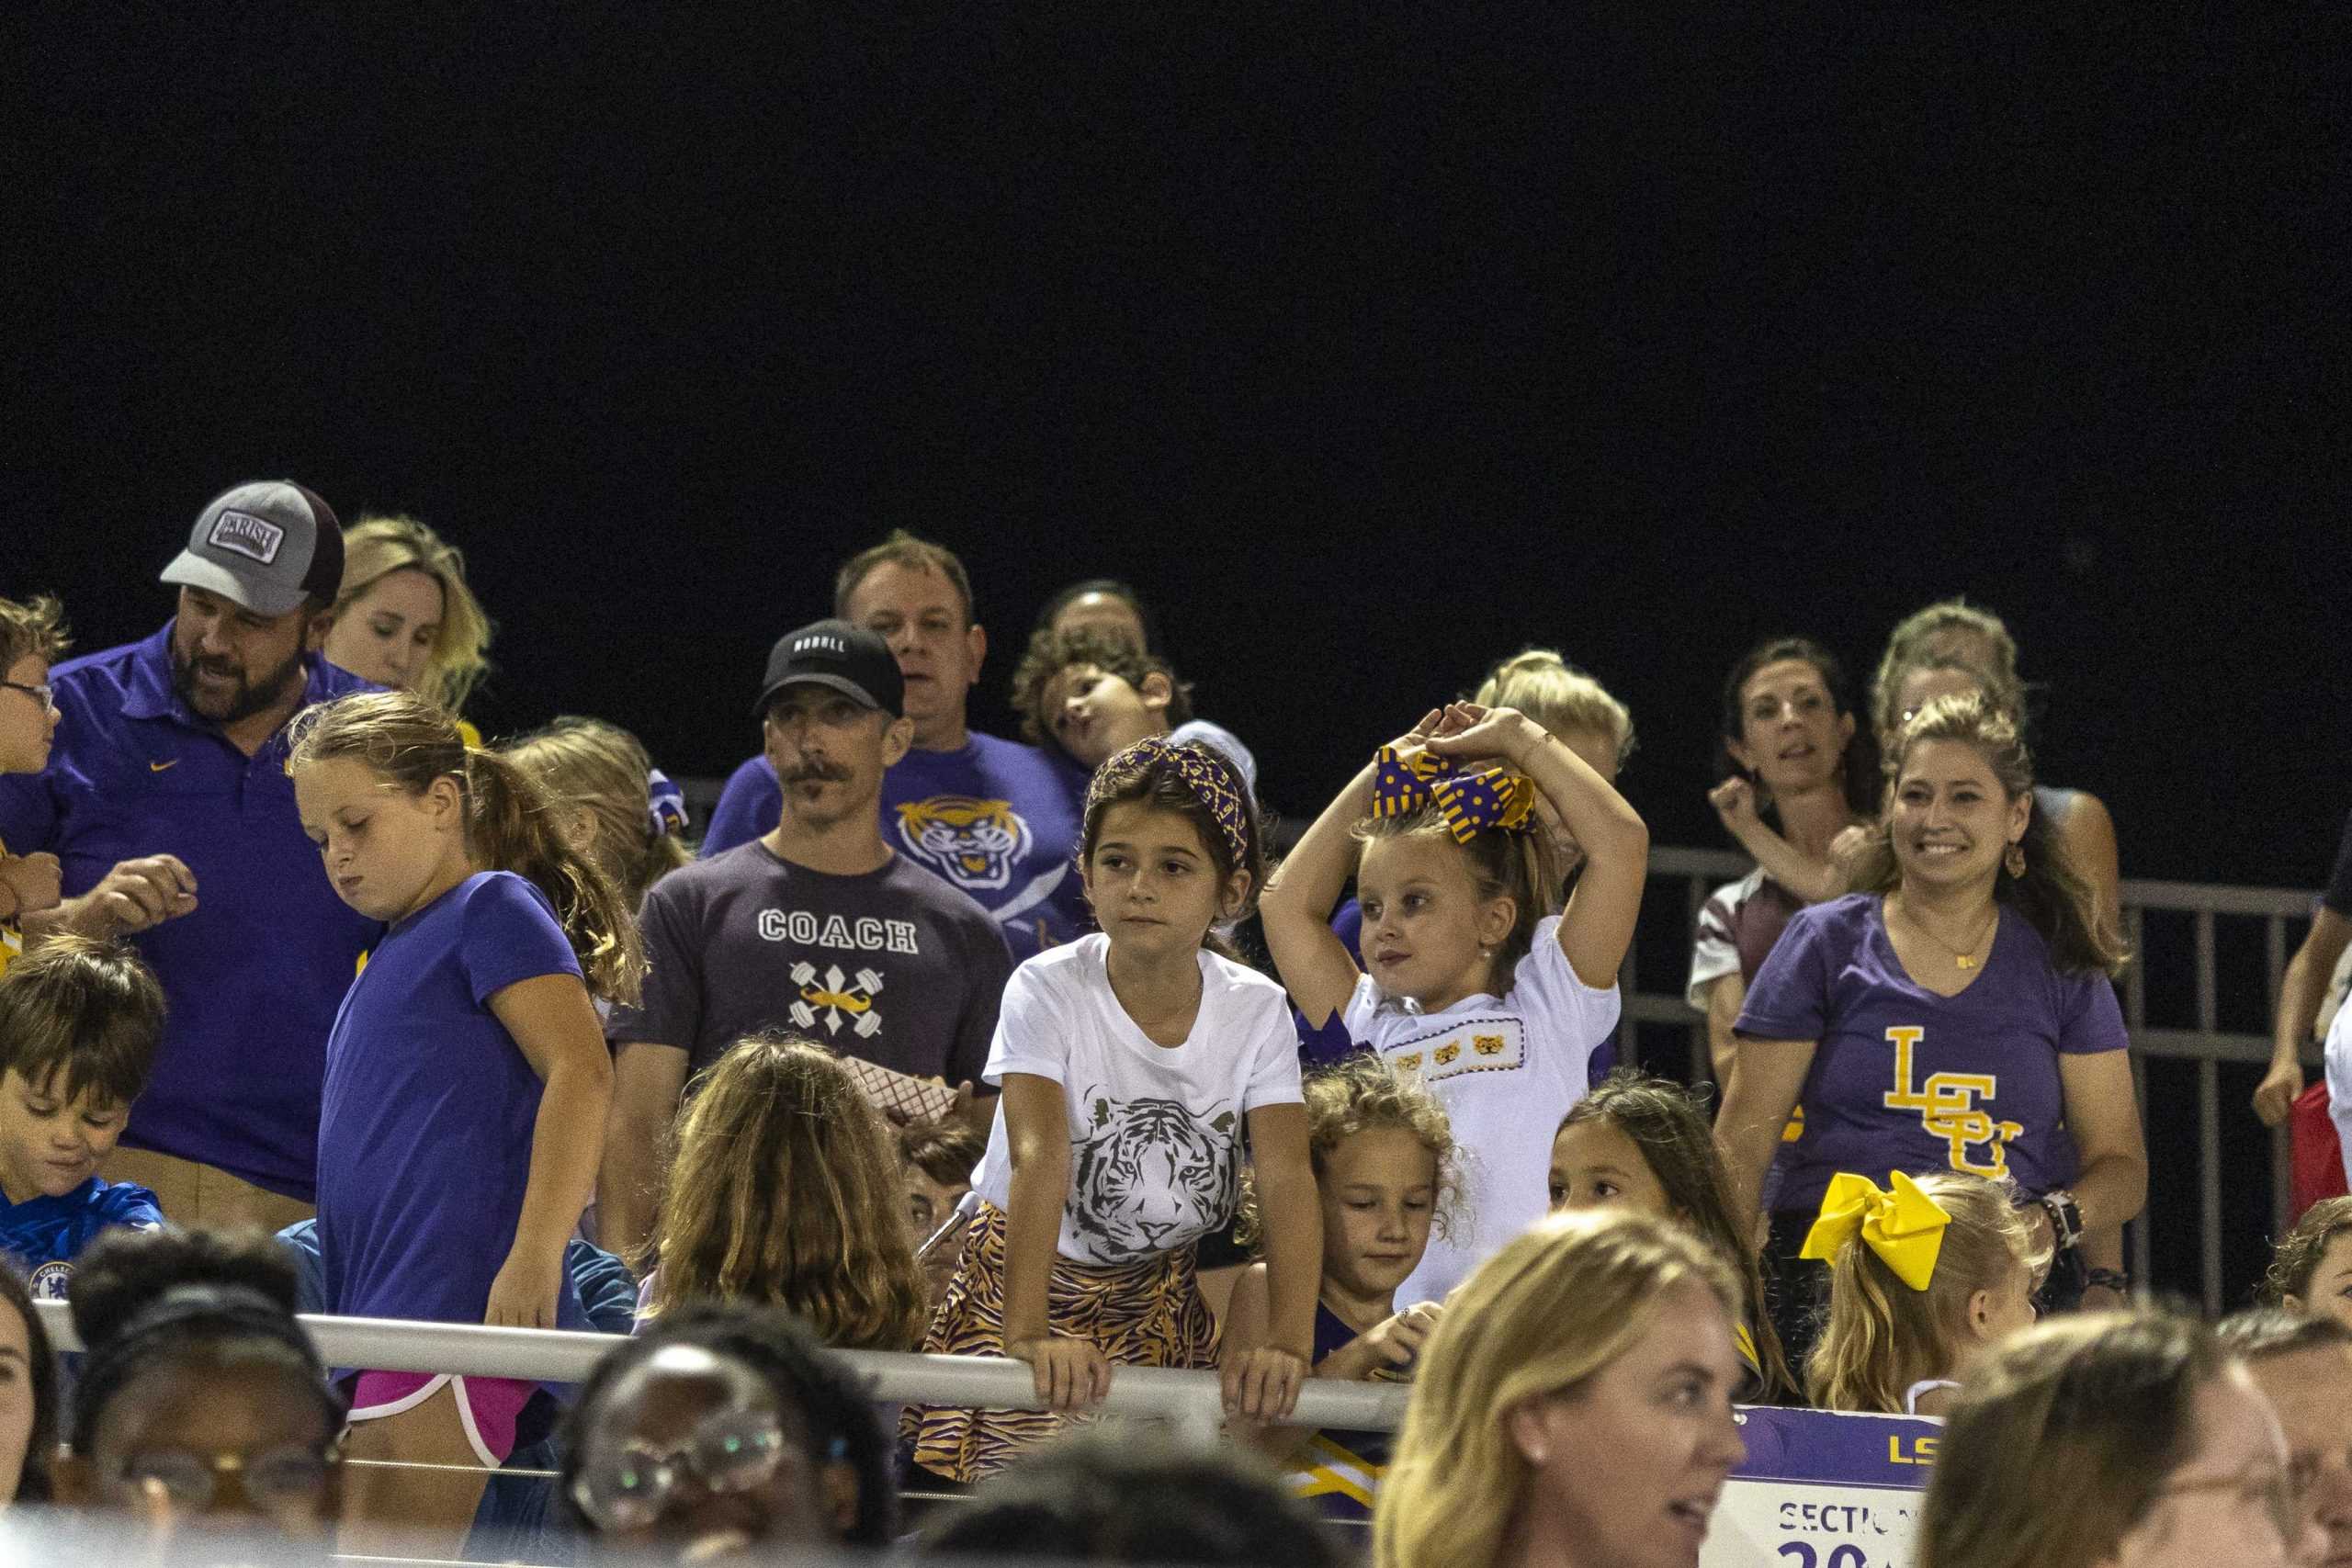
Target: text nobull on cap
(266,547)
(848,658)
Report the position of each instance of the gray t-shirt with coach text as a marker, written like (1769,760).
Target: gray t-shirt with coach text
(893,966)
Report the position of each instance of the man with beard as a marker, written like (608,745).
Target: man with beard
(166,801)
(818,927)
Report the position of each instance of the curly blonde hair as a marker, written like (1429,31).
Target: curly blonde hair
(1363,1093)
(2298,1253)
(32,626)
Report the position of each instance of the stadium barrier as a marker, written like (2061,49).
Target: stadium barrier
(1191,1401)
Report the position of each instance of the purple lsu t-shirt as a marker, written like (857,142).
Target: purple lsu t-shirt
(425,1143)
(1905,1080)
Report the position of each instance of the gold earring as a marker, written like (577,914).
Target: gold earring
(2014,861)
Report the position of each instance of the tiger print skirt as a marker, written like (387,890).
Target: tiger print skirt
(1139,1314)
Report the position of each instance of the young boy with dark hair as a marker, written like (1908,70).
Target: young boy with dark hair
(79,1024)
(1090,695)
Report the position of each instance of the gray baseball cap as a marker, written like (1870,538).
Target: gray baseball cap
(264,546)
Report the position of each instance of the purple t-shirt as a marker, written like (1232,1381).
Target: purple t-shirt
(1905,1080)
(999,820)
(424,1145)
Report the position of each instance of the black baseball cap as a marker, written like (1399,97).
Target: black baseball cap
(849,658)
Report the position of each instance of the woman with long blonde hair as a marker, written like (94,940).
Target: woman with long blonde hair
(1574,1408)
(784,1193)
(404,616)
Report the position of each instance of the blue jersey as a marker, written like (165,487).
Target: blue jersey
(425,1143)
(44,1234)
(250,977)
(998,819)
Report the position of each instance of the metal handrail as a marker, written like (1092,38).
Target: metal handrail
(1192,1399)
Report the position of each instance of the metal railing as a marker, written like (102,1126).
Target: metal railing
(2196,1037)
(1191,1401)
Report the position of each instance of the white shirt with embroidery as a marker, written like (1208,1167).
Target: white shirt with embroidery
(1155,1131)
(1506,1072)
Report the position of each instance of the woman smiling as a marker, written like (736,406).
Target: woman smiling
(1956,1014)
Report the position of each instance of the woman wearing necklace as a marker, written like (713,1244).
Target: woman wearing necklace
(1955,1013)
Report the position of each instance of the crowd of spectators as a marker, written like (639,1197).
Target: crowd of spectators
(312,997)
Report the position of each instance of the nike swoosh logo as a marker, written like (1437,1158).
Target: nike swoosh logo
(159,767)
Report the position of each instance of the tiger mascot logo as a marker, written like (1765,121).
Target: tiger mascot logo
(972,843)
(1149,1170)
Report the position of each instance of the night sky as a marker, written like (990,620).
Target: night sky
(1371,350)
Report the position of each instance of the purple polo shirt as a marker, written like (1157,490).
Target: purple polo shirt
(254,977)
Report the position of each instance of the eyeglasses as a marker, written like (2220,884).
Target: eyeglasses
(44,693)
(2277,1491)
(276,1476)
(734,1450)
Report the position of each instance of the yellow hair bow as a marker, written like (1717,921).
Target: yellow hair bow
(1905,1227)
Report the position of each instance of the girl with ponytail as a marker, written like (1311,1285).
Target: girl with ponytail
(610,802)
(467,1080)
(1923,1281)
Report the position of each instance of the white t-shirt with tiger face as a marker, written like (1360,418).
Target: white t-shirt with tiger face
(1506,1071)
(1155,1131)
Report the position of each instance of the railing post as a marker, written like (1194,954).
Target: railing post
(1703,1055)
(2136,1018)
(2282,1153)
(2208,1121)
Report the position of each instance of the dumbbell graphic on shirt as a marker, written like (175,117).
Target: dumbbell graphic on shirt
(833,1003)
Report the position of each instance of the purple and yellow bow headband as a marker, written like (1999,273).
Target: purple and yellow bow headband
(1211,783)
(1905,1227)
(1471,803)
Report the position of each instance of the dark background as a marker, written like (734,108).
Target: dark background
(1371,351)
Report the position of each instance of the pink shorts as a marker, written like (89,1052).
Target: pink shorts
(488,1406)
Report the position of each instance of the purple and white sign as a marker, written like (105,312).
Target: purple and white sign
(1823,1489)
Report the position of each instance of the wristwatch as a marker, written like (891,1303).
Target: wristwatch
(2065,1218)
(2114,1279)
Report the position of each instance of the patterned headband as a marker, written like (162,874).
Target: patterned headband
(1210,781)
(1471,803)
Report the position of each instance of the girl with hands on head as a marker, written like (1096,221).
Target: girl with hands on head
(467,1077)
(1473,981)
(1383,1161)
(1132,1062)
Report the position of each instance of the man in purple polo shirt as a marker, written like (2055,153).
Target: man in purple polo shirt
(167,800)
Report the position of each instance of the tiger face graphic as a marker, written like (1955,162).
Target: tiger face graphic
(973,843)
(1148,1176)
